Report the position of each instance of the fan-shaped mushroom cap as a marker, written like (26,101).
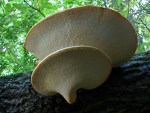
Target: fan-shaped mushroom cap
(69,69)
(89,25)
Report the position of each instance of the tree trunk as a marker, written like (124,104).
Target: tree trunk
(126,91)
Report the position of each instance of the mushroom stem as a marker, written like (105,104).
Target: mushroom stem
(69,95)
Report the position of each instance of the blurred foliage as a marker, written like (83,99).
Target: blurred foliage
(18,16)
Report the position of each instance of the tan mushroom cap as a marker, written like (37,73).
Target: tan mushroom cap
(70,69)
(94,26)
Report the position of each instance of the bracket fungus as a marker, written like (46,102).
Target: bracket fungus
(77,48)
(69,69)
(94,26)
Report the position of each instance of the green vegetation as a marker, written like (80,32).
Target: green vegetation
(18,16)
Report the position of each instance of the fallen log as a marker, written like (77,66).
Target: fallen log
(126,91)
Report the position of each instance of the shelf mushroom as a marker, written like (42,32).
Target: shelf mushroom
(77,48)
(94,26)
(69,69)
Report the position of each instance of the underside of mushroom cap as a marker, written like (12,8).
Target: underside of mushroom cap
(94,26)
(69,69)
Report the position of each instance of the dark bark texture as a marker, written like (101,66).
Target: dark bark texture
(126,91)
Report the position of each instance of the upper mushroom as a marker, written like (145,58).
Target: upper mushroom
(93,26)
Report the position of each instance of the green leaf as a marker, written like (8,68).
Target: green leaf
(8,7)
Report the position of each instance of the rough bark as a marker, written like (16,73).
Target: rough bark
(126,91)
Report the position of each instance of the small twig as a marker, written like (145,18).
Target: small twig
(143,8)
(135,13)
(105,4)
(144,24)
(34,8)
(136,22)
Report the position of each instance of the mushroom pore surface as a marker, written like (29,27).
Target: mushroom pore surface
(69,69)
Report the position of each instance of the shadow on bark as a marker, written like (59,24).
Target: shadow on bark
(126,91)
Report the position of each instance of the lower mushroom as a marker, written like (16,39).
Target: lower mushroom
(69,69)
